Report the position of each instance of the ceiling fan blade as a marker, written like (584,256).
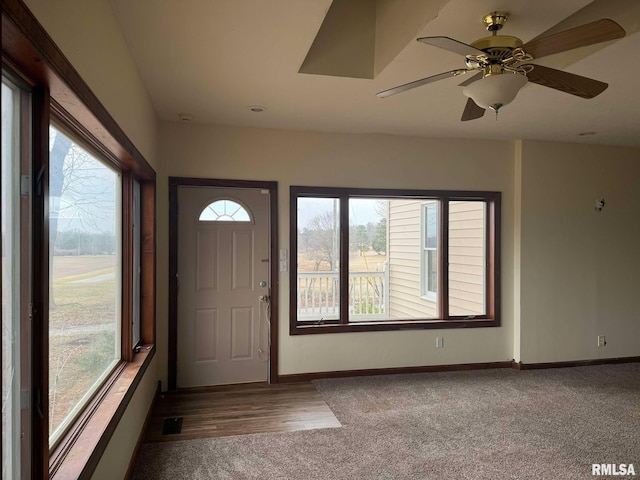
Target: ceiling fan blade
(472,111)
(422,81)
(472,79)
(588,34)
(566,82)
(451,45)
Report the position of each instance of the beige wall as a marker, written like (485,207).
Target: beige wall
(579,269)
(304,158)
(89,35)
(115,459)
(517,242)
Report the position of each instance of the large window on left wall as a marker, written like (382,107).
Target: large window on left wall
(84,276)
(78,261)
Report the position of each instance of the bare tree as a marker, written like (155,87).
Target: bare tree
(82,196)
(319,240)
(59,151)
(381,207)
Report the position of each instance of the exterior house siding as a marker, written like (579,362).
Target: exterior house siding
(466,260)
(404,260)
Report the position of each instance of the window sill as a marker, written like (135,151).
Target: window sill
(393,325)
(79,452)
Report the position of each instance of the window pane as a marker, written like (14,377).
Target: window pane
(432,271)
(429,278)
(467,258)
(431,225)
(367,259)
(85,266)
(318,266)
(9,173)
(224,211)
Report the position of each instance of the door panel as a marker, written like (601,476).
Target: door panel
(205,334)
(207,261)
(242,260)
(241,333)
(220,267)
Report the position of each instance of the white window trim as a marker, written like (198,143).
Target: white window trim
(425,292)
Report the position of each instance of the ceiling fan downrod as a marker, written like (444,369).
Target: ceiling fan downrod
(495,21)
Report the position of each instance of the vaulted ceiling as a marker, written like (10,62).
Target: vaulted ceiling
(317,67)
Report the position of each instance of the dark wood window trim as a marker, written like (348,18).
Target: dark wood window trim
(79,452)
(56,88)
(444,320)
(126,332)
(174,183)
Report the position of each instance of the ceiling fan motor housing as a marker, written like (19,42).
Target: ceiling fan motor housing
(499,54)
(497,41)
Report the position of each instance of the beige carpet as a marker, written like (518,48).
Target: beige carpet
(488,424)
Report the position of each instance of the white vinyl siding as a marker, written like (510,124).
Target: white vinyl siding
(404,256)
(467,258)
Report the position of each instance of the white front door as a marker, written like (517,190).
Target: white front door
(223,271)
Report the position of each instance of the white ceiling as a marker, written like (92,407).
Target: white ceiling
(213,58)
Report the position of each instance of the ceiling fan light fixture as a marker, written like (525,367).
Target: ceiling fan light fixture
(496,91)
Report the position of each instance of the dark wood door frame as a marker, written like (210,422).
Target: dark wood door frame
(174,183)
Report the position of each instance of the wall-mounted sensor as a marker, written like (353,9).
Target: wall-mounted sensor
(599,204)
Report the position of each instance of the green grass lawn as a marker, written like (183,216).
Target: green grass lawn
(84,317)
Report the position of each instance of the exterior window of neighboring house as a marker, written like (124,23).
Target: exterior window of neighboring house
(224,211)
(374,259)
(429,263)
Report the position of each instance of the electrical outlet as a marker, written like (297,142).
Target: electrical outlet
(439,342)
(602,341)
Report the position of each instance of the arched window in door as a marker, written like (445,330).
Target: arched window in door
(224,211)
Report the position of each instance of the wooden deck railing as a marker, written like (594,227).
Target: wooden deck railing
(319,296)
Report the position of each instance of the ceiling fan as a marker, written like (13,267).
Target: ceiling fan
(502,68)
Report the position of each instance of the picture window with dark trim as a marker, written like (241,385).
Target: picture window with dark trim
(78,261)
(85,270)
(392,259)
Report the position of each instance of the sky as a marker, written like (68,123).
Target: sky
(362,210)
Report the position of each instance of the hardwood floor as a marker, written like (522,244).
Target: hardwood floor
(241,409)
